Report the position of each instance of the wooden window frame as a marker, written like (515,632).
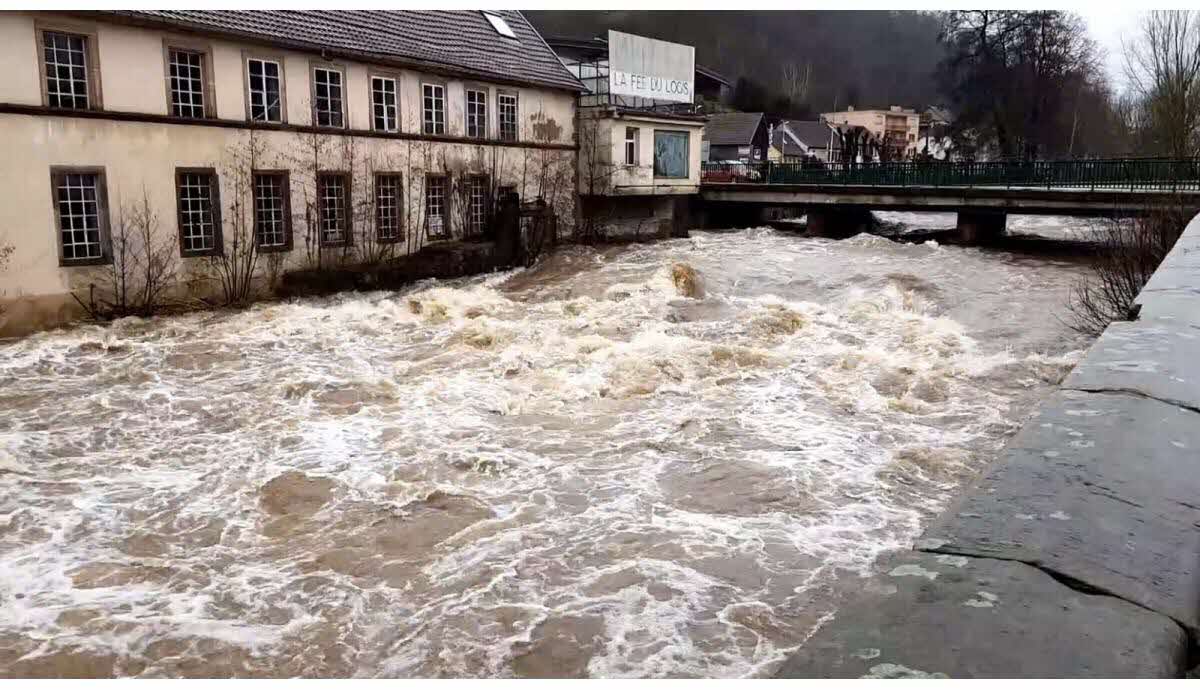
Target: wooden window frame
(102,213)
(288,242)
(372,75)
(637,140)
(401,230)
(500,93)
(218,247)
(445,107)
(313,66)
(90,34)
(348,240)
(247,56)
(447,222)
(487,115)
(191,45)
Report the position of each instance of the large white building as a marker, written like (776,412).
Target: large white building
(313,137)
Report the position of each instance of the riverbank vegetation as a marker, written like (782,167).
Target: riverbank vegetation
(1127,252)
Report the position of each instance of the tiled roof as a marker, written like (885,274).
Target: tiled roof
(731,129)
(814,133)
(461,41)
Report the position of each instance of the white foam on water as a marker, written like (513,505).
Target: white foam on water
(569,470)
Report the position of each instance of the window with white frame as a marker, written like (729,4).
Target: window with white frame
(327,97)
(272,226)
(631,146)
(389,205)
(186,69)
(478,188)
(435,207)
(433,107)
(383,104)
(476,113)
(80,211)
(198,224)
(66,63)
(333,206)
(507,103)
(263,82)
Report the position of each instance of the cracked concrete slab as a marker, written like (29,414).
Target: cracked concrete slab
(1153,358)
(1101,488)
(928,615)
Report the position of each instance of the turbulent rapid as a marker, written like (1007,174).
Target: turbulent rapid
(672,459)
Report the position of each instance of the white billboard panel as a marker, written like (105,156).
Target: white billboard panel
(649,68)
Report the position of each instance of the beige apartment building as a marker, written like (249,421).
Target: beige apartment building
(316,137)
(897,128)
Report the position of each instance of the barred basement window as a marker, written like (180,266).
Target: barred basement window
(199,222)
(508,116)
(327,97)
(476,113)
(389,205)
(477,199)
(383,103)
(272,222)
(66,64)
(187,83)
(436,226)
(81,215)
(266,103)
(333,197)
(433,98)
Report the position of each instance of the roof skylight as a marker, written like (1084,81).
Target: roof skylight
(500,25)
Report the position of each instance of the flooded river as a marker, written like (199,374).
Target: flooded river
(573,470)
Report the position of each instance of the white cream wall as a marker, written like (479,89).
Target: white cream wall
(143,156)
(18,53)
(640,179)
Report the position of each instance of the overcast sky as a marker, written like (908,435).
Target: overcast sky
(1107,25)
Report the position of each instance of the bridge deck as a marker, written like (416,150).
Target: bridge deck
(1026,200)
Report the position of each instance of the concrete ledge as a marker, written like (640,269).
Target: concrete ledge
(928,615)
(1085,535)
(1099,488)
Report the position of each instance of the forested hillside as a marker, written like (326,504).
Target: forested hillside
(819,59)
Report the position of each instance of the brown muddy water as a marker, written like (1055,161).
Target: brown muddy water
(568,471)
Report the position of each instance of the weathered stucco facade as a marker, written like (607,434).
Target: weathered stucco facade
(622,185)
(130,136)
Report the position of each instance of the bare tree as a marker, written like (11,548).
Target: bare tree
(235,266)
(143,266)
(1163,67)
(597,169)
(1128,252)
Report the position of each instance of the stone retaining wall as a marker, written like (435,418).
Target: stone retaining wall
(1078,553)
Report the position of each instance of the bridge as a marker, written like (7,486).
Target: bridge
(838,197)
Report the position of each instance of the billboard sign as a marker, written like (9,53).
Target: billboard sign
(649,68)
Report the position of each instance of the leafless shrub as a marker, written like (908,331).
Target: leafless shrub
(143,266)
(1128,252)
(235,266)
(6,251)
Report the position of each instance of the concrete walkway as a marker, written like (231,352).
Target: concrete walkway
(1078,553)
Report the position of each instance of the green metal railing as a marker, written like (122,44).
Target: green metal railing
(1161,174)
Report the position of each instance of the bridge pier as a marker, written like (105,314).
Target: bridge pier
(838,222)
(981,227)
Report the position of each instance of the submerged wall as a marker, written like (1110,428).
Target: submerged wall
(1078,553)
